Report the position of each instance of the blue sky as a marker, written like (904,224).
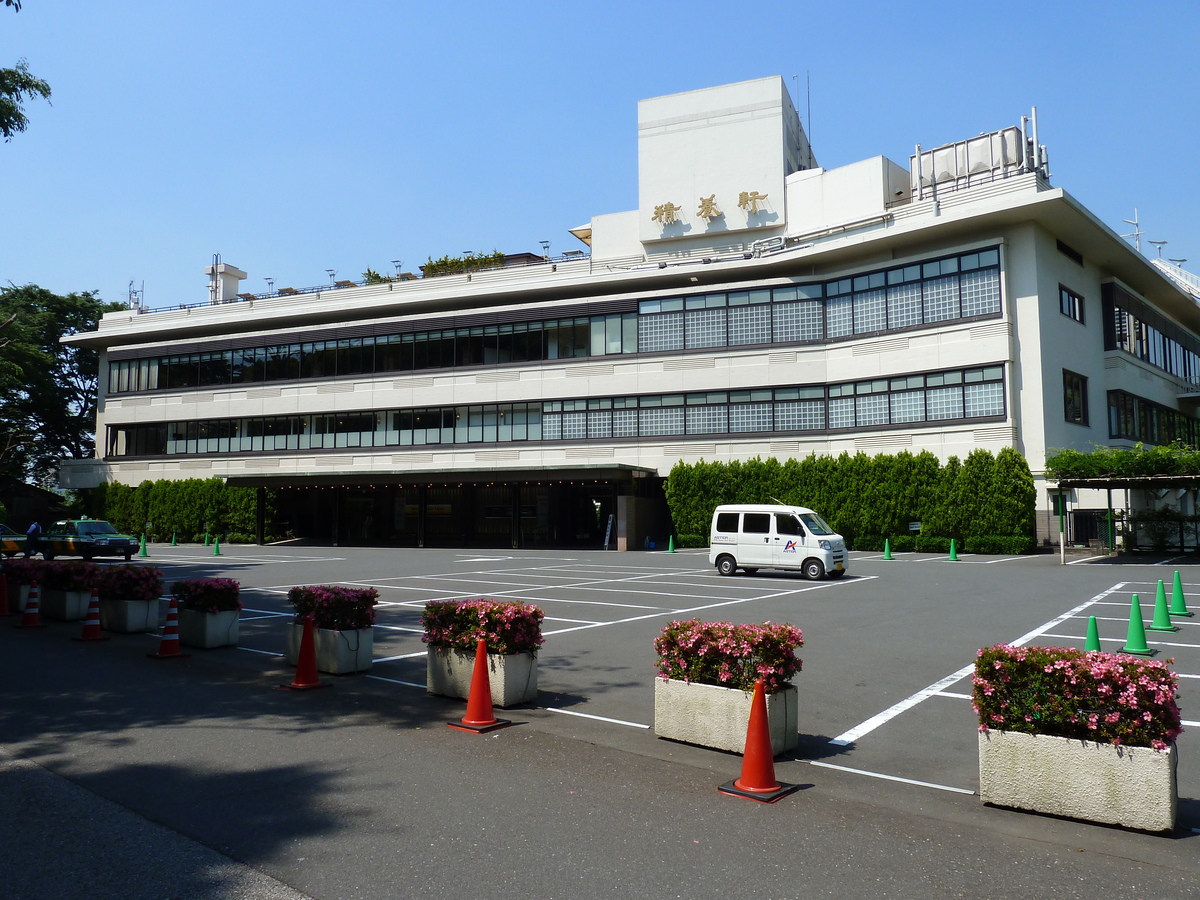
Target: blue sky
(299,136)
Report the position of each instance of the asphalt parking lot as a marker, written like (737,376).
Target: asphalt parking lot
(885,715)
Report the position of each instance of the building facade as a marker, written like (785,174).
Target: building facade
(755,304)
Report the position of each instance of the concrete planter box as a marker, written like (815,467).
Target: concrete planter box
(338,652)
(718,716)
(69,606)
(18,596)
(129,616)
(206,630)
(512,677)
(1134,787)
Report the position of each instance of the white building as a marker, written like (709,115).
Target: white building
(755,304)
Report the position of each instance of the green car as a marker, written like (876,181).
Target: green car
(86,538)
(11,542)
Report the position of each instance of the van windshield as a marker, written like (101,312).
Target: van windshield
(816,524)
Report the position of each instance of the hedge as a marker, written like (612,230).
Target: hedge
(188,509)
(985,502)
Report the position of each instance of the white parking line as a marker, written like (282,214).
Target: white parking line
(928,784)
(938,687)
(571,712)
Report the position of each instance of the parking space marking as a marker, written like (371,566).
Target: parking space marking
(939,686)
(928,784)
(571,712)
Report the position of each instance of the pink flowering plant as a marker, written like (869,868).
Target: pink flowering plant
(130,582)
(25,571)
(335,607)
(507,626)
(1108,698)
(208,595)
(729,655)
(72,575)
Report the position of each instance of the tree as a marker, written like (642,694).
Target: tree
(16,86)
(47,389)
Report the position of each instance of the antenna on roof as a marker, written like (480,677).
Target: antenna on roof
(1137,232)
(1159,245)
(135,296)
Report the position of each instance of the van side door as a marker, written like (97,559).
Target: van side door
(787,544)
(754,543)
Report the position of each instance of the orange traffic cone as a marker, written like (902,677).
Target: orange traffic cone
(33,610)
(306,663)
(479,717)
(4,610)
(168,647)
(758,763)
(91,625)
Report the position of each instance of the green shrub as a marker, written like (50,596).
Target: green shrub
(691,540)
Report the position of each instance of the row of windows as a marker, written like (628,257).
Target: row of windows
(963,286)
(1129,329)
(900,401)
(1133,418)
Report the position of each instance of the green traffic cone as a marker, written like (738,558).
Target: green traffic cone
(206,539)
(1135,641)
(671,544)
(887,549)
(1162,618)
(1093,635)
(173,543)
(953,551)
(142,552)
(1178,602)
(216,546)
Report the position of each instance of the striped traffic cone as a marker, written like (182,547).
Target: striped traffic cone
(168,647)
(33,610)
(480,717)
(758,762)
(306,663)
(91,625)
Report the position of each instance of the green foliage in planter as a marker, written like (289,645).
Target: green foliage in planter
(335,607)
(185,508)
(453,265)
(73,575)
(729,655)
(208,595)
(866,498)
(507,626)
(1109,698)
(25,571)
(1139,461)
(130,582)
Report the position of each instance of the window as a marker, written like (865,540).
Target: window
(1070,304)
(756,523)
(1075,403)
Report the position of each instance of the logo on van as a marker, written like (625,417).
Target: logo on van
(789,547)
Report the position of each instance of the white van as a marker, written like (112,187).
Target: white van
(760,536)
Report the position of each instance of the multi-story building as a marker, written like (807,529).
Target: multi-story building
(755,304)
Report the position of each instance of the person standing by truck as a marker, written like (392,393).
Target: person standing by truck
(32,533)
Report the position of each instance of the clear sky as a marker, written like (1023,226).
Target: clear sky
(295,136)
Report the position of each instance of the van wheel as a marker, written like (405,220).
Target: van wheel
(726,564)
(814,570)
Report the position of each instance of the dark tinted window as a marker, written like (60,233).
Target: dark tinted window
(756,523)
(727,522)
(785,523)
